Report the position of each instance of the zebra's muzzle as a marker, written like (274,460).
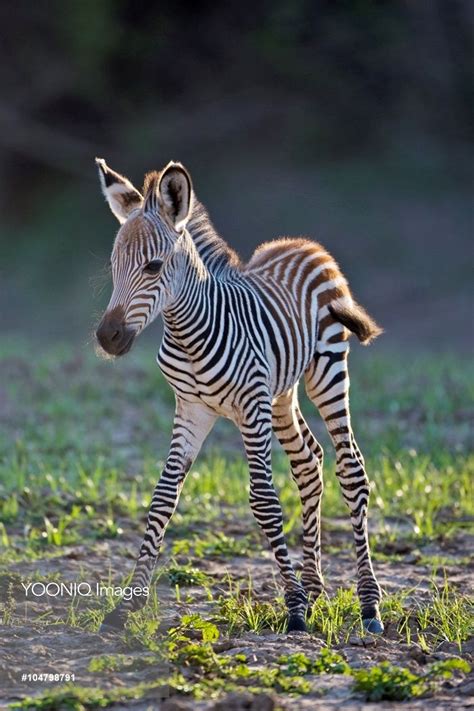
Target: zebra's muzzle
(114,336)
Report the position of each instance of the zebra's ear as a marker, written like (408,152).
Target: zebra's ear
(174,190)
(118,191)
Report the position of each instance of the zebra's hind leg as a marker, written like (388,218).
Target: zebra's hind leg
(192,423)
(327,385)
(306,461)
(256,431)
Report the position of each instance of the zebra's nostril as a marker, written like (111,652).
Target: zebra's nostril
(110,332)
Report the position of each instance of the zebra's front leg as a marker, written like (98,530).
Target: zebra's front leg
(265,505)
(192,423)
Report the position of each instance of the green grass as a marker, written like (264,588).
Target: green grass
(81,452)
(83,435)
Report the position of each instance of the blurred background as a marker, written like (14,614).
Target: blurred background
(349,122)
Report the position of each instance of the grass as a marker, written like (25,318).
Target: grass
(447,616)
(98,446)
(213,544)
(81,450)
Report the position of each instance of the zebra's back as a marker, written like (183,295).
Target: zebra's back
(303,281)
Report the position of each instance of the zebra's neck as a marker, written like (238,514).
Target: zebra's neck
(194,282)
(214,251)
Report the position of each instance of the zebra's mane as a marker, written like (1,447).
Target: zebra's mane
(216,254)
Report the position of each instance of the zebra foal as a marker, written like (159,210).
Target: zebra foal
(237,340)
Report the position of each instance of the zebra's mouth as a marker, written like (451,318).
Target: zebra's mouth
(114,338)
(124,348)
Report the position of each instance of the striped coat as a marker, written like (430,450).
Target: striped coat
(237,340)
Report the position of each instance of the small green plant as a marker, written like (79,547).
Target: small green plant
(108,662)
(194,623)
(386,682)
(446,667)
(328,662)
(389,683)
(9,508)
(186,575)
(4,539)
(61,533)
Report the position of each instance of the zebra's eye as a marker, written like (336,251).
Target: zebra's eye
(153,267)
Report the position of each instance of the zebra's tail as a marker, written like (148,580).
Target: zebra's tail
(357,320)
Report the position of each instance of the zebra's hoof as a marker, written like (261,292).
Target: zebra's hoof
(296,623)
(373,625)
(113,622)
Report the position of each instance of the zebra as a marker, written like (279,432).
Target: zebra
(238,337)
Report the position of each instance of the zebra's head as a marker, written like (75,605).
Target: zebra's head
(146,256)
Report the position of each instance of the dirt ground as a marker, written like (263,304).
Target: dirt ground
(30,645)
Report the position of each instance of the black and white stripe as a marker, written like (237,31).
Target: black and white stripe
(237,340)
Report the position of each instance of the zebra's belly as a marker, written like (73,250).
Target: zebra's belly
(218,397)
(222,407)
(218,385)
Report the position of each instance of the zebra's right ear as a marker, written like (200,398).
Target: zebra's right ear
(118,191)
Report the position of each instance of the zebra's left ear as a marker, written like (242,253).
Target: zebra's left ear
(118,191)
(174,190)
